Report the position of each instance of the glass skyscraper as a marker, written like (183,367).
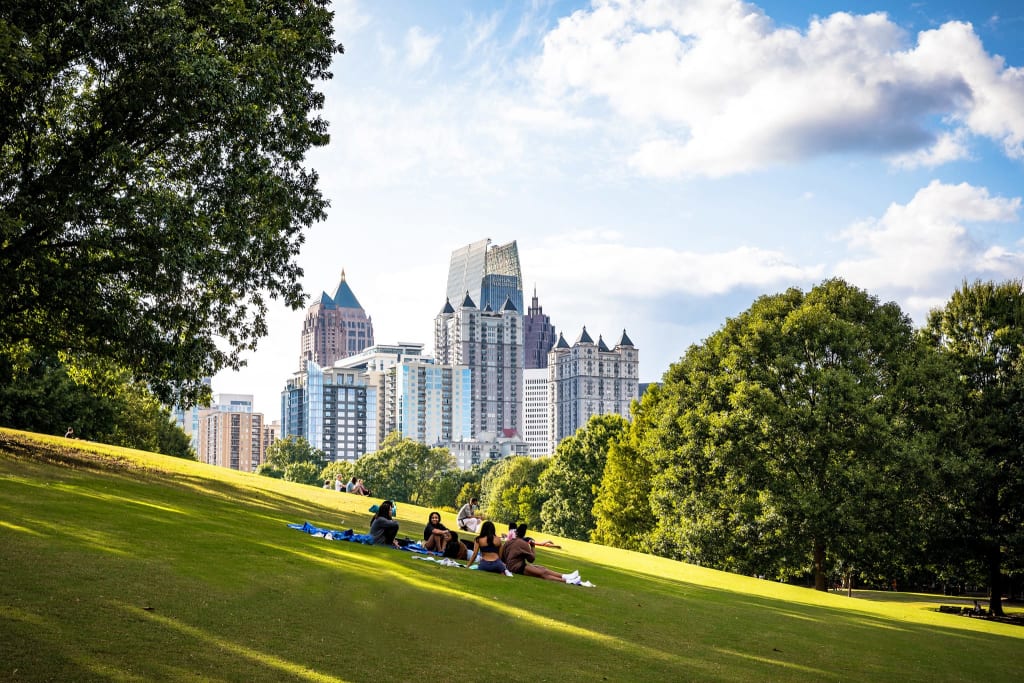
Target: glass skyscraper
(489,274)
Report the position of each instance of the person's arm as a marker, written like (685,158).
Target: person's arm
(476,551)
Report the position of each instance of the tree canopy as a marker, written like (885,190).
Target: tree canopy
(511,491)
(570,484)
(981,329)
(404,470)
(787,435)
(152,188)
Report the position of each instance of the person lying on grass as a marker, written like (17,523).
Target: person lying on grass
(382,527)
(488,547)
(517,553)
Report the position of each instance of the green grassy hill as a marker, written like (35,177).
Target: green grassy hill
(126,566)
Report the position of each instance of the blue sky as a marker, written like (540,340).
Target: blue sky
(662,164)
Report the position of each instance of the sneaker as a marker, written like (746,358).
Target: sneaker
(572,575)
(572,580)
(508,573)
(586,584)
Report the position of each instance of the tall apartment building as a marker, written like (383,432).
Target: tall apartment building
(487,274)
(335,327)
(231,434)
(536,411)
(588,379)
(375,362)
(333,409)
(430,402)
(538,335)
(489,343)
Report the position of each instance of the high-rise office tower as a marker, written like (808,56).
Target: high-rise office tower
(536,411)
(488,274)
(538,335)
(490,344)
(335,327)
(588,379)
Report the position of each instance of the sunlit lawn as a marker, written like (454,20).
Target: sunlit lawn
(162,569)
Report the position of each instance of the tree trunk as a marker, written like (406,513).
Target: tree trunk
(820,582)
(995,581)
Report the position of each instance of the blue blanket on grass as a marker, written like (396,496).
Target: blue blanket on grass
(349,535)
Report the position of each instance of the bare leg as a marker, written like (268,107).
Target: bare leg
(539,572)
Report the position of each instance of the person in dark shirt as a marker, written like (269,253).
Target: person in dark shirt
(382,527)
(435,534)
(488,547)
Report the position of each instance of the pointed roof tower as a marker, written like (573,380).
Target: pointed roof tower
(601,346)
(468,302)
(343,296)
(625,341)
(584,337)
(508,305)
(561,343)
(447,306)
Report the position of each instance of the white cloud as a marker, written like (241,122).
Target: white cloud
(919,246)
(615,268)
(419,47)
(950,146)
(714,87)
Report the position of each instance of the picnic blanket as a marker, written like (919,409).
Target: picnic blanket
(349,535)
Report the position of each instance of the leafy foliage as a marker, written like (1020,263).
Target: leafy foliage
(622,510)
(152,193)
(981,329)
(788,435)
(98,400)
(511,491)
(403,470)
(570,484)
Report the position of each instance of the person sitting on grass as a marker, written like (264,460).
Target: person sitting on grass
(469,518)
(488,547)
(455,548)
(382,527)
(517,554)
(435,534)
(360,488)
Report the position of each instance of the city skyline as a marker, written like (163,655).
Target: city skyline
(661,165)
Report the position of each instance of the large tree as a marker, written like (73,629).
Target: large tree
(981,329)
(622,510)
(570,484)
(403,469)
(789,435)
(98,400)
(511,491)
(152,188)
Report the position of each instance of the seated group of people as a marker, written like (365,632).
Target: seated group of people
(354,485)
(509,555)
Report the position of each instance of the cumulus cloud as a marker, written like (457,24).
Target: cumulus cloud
(919,246)
(948,147)
(715,87)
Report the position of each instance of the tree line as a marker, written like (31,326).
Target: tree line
(817,436)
